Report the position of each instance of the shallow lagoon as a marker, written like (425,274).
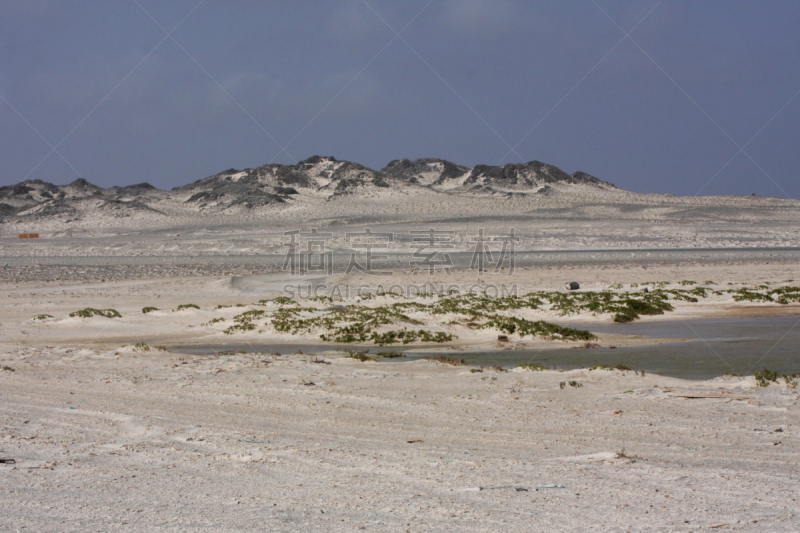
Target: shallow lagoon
(720,346)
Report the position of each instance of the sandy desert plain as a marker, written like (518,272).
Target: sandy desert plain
(232,414)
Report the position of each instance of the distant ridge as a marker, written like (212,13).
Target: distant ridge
(274,185)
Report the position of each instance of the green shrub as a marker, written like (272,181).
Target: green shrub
(763,377)
(41,317)
(90,312)
(540,328)
(360,356)
(149,309)
(535,367)
(446,360)
(408,336)
(619,366)
(187,306)
(280,300)
(244,326)
(389,355)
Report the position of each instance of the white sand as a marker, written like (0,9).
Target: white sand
(120,441)
(107,438)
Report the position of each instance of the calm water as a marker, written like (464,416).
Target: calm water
(720,346)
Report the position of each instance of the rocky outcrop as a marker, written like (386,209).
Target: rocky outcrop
(273,185)
(529,177)
(428,172)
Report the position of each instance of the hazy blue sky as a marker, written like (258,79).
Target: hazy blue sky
(243,83)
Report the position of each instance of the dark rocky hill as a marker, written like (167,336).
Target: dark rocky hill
(274,185)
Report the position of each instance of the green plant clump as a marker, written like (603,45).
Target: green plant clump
(187,306)
(280,300)
(539,328)
(146,310)
(243,322)
(619,366)
(360,356)
(90,312)
(41,317)
(389,355)
(764,377)
(244,326)
(534,367)
(408,336)
(446,360)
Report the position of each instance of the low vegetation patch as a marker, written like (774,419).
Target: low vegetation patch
(360,356)
(540,328)
(389,355)
(144,347)
(244,326)
(534,367)
(41,317)
(446,360)
(399,322)
(408,336)
(780,295)
(280,300)
(187,306)
(619,366)
(146,310)
(243,322)
(766,376)
(90,312)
